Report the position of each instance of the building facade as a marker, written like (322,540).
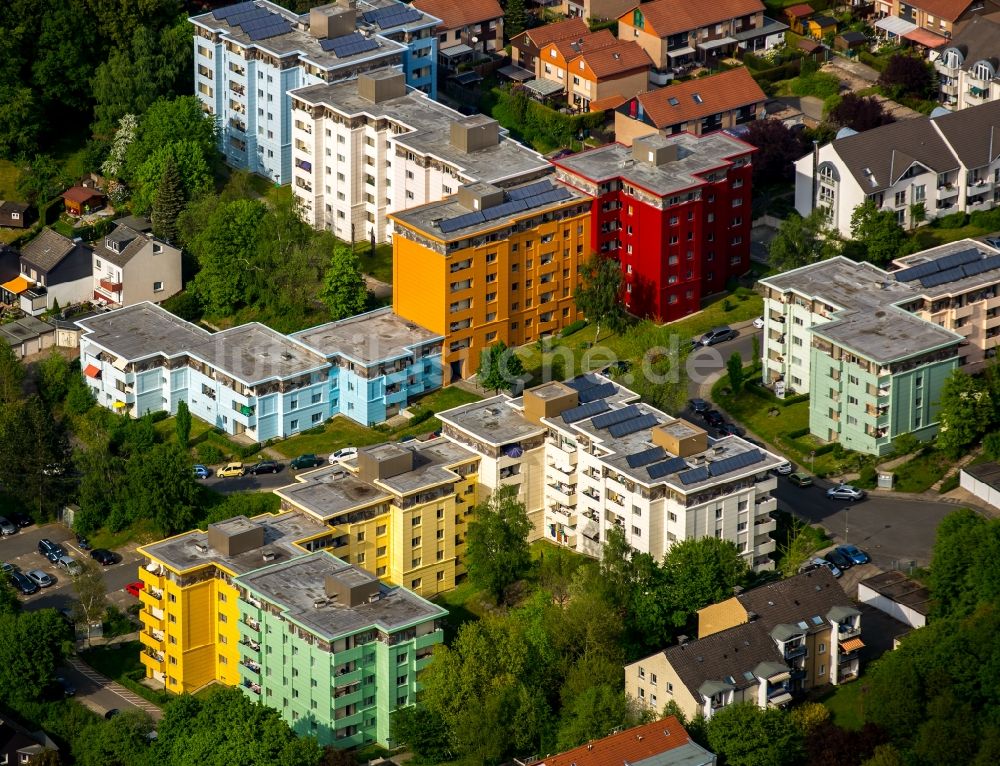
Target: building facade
(587,457)
(873,348)
(248,56)
(399,511)
(674,211)
(967,65)
(132,266)
(491,264)
(53,269)
(250,380)
(367,147)
(919,169)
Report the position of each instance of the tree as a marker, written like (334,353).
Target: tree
(193,171)
(225,247)
(734,366)
(859,113)
(345,291)
(182,423)
(423,732)
(55,376)
(497,553)
(31,646)
(593,714)
(20,120)
(168,203)
(515,18)
(918,214)
(122,741)
(499,367)
(746,735)
(701,571)
(91,595)
(800,241)
(965,413)
(11,375)
(877,231)
(777,149)
(129,80)
(41,180)
(160,487)
(908,75)
(168,121)
(756,349)
(598,295)
(810,716)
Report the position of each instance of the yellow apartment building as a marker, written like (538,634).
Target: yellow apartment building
(490,264)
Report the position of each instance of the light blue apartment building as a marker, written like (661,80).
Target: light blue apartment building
(251,380)
(248,56)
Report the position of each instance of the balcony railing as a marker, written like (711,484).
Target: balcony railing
(252,686)
(110,285)
(795,651)
(252,623)
(248,663)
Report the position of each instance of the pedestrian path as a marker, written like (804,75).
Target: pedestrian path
(113,686)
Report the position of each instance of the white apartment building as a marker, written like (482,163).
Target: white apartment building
(947,164)
(967,65)
(588,456)
(368,147)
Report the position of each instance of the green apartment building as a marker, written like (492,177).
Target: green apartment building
(332,648)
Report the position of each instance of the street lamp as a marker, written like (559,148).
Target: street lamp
(812,461)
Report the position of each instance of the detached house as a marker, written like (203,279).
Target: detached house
(525,47)
(699,106)
(54,268)
(132,266)
(967,65)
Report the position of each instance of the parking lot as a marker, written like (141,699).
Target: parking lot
(22,550)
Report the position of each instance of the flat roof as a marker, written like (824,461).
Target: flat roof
(987,473)
(897,587)
(842,283)
(297,587)
(886,334)
(297,40)
(496,421)
(368,338)
(333,490)
(697,155)
(430,130)
(191,549)
(963,281)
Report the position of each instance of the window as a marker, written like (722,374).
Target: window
(415,541)
(822,649)
(636,531)
(380,529)
(415,521)
(642,672)
(157,287)
(294,425)
(414,584)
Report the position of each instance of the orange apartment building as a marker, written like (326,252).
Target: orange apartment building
(490,265)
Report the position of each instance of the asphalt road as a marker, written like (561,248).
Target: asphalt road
(22,549)
(263,483)
(706,360)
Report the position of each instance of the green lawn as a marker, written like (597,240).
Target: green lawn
(380,266)
(846,704)
(121,663)
(931,236)
(341,431)
(918,474)
(8,181)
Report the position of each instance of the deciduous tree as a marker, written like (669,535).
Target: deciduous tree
(31,646)
(734,367)
(499,367)
(859,113)
(702,571)
(225,247)
(497,552)
(908,75)
(345,291)
(777,150)
(598,295)
(746,735)
(800,241)
(878,233)
(965,412)
(91,595)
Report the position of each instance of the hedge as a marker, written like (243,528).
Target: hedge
(543,127)
(798,433)
(573,327)
(784,71)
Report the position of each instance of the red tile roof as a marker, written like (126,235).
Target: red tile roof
(800,11)
(949,10)
(606,62)
(558,30)
(628,746)
(572,47)
(80,194)
(668,17)
(610,102)
(720,92)
(460,13)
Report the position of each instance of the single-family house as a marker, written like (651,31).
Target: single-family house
(19,746)
(58,269)
(466,26)
(14,215)
(798,16)
(525,47)
(130,266)
(605,78)
(80,200)
(698,106)
(554,57)
(820,26)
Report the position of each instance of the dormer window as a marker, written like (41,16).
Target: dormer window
(983,70)
(111,244)
(157,247)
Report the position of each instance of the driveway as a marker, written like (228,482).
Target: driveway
(265,482)
(705,361)
(100,694)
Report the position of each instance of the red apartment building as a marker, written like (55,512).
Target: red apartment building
(674,210)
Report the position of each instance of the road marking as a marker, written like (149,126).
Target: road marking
(112,686)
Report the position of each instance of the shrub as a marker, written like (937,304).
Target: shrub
(867,476)
(952,221)
(986,219)
(826,448)
(576,326)
(156,417)
(798,433)
(950,483)
(790,400)
(243,451)
(209,454)
(420,415)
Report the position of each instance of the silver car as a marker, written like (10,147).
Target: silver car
(845,492)
(40,578)
(7,527)
(70,565)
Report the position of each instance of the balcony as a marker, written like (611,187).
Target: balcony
(151,639)
(155,662)
(563,469)
(304,185)
(795,650)
(848,631)
(250,644)
(110,286)
(303,164)
(947,190)
(347,677)
(564,492)
(252,624)
(253,665)
(764,526)
(237,88)
(152,619)
(252,686)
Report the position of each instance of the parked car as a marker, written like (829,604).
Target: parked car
(112,713)
(231,469)
(838,559)
(7,527)
(800,479)
(759,323)
(993,242)
(816,563)
(264,466)
(854,553)
(23,583)
(21,519)
(201,472)
(714,418)
(731,429)
(70,565)
(7,568)
(68,689)
(48,549)
(784,469)
(133,588)
(40,578)
(343,454)
(103,556)
(699,406)
(83,542)
(716,335)
(306,461)
(845,492)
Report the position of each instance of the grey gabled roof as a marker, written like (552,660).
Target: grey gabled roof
(974,133)
(795,600)
(122,234)
(841,613)
(47,250)
(975,39)
(784,631)
(878,157)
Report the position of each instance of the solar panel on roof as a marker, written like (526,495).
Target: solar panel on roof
(272,31)
(460,222)
(348,45)
(957,259)
(248,16)
(915,272)
(616,416)
(581,382)
(693,476)
(978,267)
(659,470)
(619,430)
(530,190)
(224,13)
(638,459)
(735,463)
(597,392)
(392,16)
(584,411)
(942,277)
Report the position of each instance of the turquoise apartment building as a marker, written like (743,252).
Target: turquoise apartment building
(331,648)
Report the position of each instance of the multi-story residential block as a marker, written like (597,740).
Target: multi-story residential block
(764,646)
(215,603)
(368,147)
(401,511)
(928,23)
(663,743)
(490,264)
(350,647)
(928,167)
(132,266)
(677,34)
(966,64)
(251,380)
(873,348)
(248,56)
(587,457)
(706,104)
(674,210)
(54,269)
(525,47)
